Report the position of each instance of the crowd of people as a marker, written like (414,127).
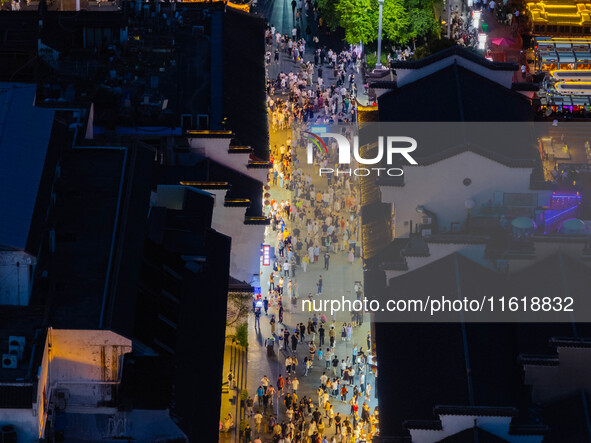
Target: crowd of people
(319,221)
(303,94)
(308,419)
(462,30)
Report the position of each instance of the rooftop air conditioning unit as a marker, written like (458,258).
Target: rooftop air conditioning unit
(61,397)
(16,344)
(9,361)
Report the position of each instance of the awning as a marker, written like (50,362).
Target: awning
(583,56)
(566,57)
(580,101)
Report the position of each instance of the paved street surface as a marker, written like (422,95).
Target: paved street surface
(338,280)
(279,14)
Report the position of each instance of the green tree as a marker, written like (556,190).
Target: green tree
(329,14)
(423,18)
(358,19)
(396,21)
(402,20)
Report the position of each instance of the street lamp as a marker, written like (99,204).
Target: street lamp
(379,60)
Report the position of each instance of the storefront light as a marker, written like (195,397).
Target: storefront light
(476,19)
(482,41)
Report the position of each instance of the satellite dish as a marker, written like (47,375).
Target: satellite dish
(469,203)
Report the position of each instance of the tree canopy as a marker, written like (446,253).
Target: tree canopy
(402,20)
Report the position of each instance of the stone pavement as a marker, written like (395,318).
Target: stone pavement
(279,14)
(235,358)
(338,281)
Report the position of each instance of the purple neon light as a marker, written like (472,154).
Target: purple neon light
(566,196)
(566,211)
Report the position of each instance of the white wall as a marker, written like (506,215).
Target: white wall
(453,424)
(15,281)
(405,76)
(246,240)
(228,220)
(439,187)
(552,383)
(217,149)
(85,355)
(24,422)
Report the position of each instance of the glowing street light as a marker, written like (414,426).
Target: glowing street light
(482,41)
(476,19)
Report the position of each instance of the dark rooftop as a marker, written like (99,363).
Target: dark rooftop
(95,191)
(475,364)
(569,419)
(454,94)
(451,51)
(483,411)
(205,173)
(473,435)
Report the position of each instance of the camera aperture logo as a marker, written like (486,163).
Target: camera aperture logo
(390,146)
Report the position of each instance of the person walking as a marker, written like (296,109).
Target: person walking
(280,384)
(258,419)
(312,351)
(249,406)
(270,393)
(337,421)
(230,380)
(319,285)
(335,365)
(295,384)
(332,334)
(351,256)
(260,393)
(344,392)
(272,323)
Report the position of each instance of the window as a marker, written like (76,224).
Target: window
(202,121)
(186,122)
(564,29)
